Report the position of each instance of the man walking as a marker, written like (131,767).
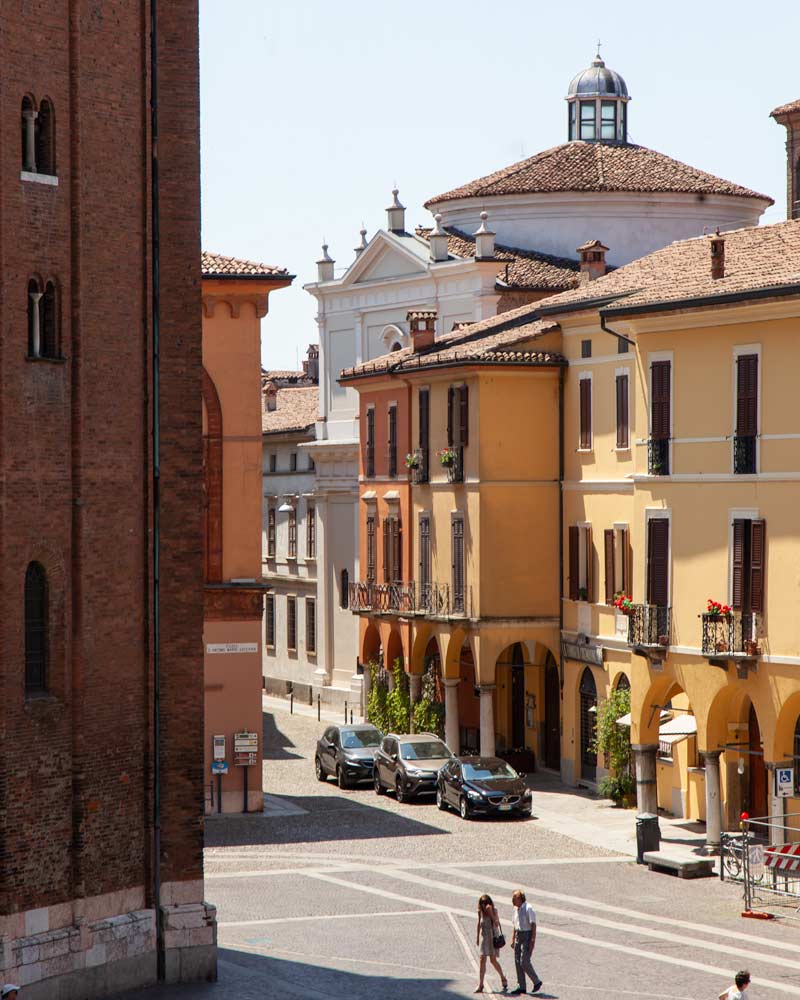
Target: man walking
(739,990)
(522,941)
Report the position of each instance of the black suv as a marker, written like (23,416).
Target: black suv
(409,764)
(482,786)
(347,752)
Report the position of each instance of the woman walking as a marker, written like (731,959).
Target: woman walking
(488,937)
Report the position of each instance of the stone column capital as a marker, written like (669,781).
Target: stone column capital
(488,688)
(712,755)
(29,114)
(451,682)
(644,747)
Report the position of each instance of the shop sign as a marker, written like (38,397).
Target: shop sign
(582,652)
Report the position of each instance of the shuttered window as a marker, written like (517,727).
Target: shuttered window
(369,459)
(424,432)
(747,395)
(271,532)
(392,441)
(270,619)
(311,625)
(623,561)
(586,414)
(658,562)
(392,550)
(608,548)
(660,386)
(749,554)
(311,532)
(574,561)
(457,539)
(623,434)
(424,554)
(292,534)
(370,550)
(462,397)
(291,622)
(387,550)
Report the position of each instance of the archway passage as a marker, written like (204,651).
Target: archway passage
(757,779)
(552,715)
(588,719)
(517,706)
(468,703)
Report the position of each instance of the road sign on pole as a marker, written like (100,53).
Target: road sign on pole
(784,782)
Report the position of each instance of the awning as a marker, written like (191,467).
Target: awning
(681,725)
(625,720)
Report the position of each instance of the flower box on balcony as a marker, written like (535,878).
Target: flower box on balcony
(752,648)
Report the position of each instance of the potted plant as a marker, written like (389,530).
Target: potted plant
(583,593)
(751,647)
(614,741)
(413,460)
(447,457)
(717,610)
(623,602)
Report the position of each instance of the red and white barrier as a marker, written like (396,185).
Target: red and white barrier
(784,858)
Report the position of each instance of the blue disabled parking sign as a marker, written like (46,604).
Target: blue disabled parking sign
(784,781)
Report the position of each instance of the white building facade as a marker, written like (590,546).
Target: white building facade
(594,186)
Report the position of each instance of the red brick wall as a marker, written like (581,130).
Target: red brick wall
(74,454)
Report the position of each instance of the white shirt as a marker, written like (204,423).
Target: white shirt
(734,993)
(524,917)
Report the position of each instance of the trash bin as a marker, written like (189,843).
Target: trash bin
(648,835)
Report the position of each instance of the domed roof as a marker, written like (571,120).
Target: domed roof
(598,81)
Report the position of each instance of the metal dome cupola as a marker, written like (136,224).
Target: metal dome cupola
(597,100)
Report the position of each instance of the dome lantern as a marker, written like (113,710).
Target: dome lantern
(597,102)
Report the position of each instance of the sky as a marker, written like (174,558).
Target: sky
(311,111)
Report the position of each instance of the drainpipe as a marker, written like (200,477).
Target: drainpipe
(561,513)
(160,950)
(619,336)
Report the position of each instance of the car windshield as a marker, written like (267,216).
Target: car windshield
(485,772)
(424,751)
(361,738)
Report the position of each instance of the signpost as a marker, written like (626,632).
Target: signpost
(245,754)
(219,766)
(784,782)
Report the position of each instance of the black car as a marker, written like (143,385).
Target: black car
(482,786)
(408,765)
(347,752)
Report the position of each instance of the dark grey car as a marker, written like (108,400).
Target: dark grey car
(348,753)
(482,786)
(408,765)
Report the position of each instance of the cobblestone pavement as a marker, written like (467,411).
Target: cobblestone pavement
(348,895)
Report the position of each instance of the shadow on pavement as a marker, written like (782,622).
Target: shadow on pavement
(329,818)
(247,976)
(275,742)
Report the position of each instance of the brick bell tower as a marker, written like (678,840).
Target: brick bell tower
(788,115)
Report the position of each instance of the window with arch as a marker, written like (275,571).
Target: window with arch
(28,121)
(36,638)
(35,309)
(38,127)
(623,684)
(44,327)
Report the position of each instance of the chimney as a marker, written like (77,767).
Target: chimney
(325,265)
(788,115)
(270,397)
(396,215)
(363,244)
(593,260)
(438,241)
(311,364)
(422,325)
(484,240)
(717,256)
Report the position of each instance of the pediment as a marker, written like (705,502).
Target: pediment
(383,258)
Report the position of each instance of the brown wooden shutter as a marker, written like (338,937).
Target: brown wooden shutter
(624,561)
(451,392)
(658,562)
(586,413)
(622,412)
(424,425)
(757,553)
(589,555)
(397,558)
(463,415)
(660,375)
(747,395)
(573,561)
(608,539)
(737,597)
(387,551)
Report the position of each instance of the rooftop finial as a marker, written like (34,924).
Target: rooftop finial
(325,264)
(363,244)
(438,240)
(484,239)
(396,213)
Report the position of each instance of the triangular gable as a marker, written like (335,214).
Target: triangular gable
(383,257)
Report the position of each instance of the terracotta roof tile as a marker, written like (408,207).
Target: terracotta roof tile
(487,342)
(297,410)
(528,270)
(757,258)
(283,378)
(595,166)
(785,109)
(216,265)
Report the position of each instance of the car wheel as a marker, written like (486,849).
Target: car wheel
(399,791)
(376,781)
(463,808)
(341,780)
(440,800)
(321,776)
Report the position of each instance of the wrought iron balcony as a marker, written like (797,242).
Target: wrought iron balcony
(733,635)
(658,456)
(455,471)
(649,626)
(382,597)
(419,473)
(744,454)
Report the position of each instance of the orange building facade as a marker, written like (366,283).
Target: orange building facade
(235,299)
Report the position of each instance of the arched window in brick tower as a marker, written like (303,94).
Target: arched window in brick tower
(28,123)
(46,139)
(35,309)
(212,483)
(35,629)
(50,340)
(795,213)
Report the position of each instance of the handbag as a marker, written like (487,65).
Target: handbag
(499,939)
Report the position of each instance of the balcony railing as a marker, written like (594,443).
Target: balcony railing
(455,471)
(731,635)
(744,454)
(649,625)
(658,456)
(419,473)
(437,600)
